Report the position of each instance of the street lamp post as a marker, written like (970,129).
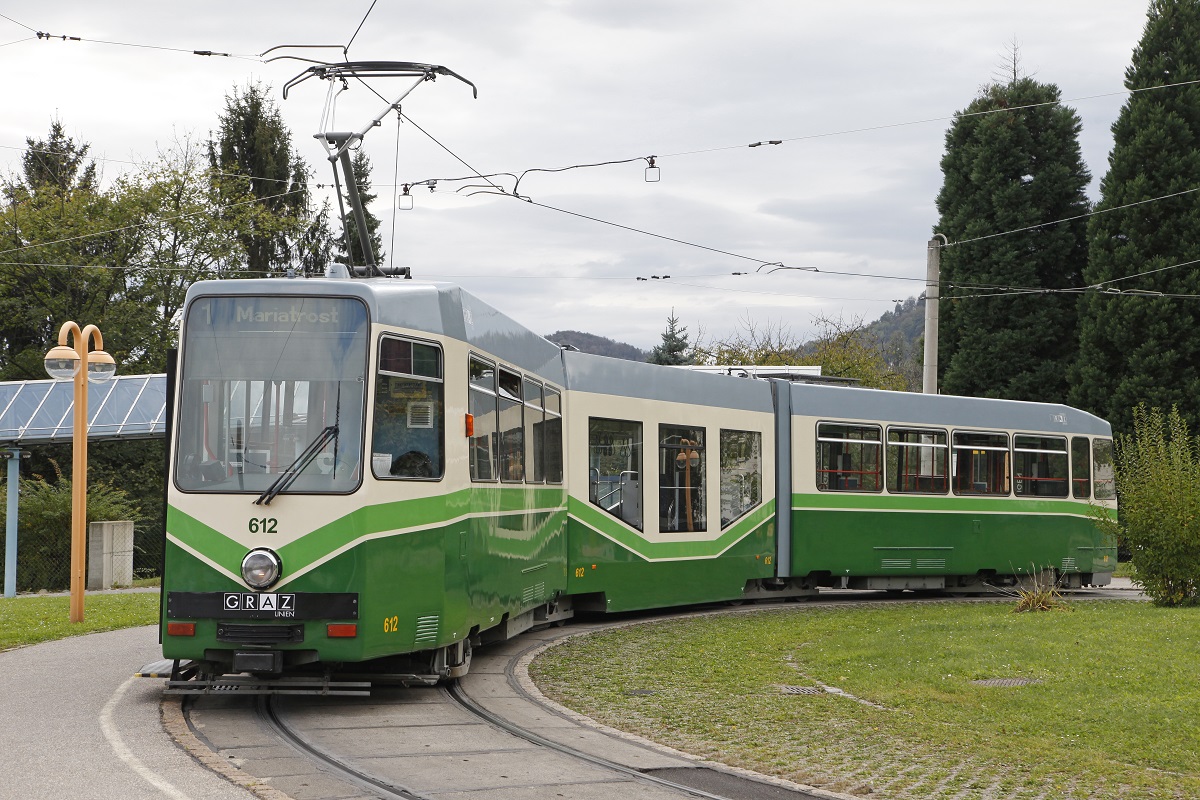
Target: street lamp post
(63,363)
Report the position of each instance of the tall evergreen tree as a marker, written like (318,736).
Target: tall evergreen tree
(54,165)
(362,178)
(1139,346)
(673,349)
(1008,170)
(252,159)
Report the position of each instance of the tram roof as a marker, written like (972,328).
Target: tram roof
(433,307)
(43,412)
(853,403)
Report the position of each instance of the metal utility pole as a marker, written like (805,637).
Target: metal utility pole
(13,456)
(933,277)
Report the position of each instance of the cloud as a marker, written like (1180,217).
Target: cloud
(566,82)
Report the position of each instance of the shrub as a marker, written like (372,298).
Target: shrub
(1158,482)
(44,535)
(1040,594)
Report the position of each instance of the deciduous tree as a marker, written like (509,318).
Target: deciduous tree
(68,248)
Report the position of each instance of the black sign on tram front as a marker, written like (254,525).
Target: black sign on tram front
(262,605)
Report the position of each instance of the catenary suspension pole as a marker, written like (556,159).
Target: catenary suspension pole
(933,270)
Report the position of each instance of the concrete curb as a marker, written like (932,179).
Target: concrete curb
(171,711)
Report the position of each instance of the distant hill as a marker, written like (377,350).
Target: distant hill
(598,345)
(899,331)
(906,321)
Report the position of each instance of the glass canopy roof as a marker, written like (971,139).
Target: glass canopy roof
(41,412)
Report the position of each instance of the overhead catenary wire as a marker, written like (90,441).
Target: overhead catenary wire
(15,22)
(762,262)
(1097,288)
(777,265)
(46,36)
(518,178)
(773,141)
(346,49)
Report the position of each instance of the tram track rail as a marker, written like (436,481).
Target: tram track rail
(455,692)
(454,718)
(330,763)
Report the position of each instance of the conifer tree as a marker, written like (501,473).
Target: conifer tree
(672,351)
(1137,345)
(1012,162)
(252,158)
(55,165)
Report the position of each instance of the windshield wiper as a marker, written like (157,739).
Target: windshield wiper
(294,469)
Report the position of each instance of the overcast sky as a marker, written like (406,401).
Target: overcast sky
(860,93)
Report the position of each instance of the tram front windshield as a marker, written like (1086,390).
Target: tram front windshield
(272,385)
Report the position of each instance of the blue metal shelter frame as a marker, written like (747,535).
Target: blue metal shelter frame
(42,412)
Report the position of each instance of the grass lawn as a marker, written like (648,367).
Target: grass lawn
(1112,709)
(29,620)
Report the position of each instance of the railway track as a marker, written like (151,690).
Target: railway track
(699,782)
(483,736)
(332,764)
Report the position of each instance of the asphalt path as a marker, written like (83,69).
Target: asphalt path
(75,723)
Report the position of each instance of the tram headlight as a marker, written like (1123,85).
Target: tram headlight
(261,568)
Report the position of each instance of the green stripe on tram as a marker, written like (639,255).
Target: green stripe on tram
(477,503)
(207,541)
(869,501)
(609,527)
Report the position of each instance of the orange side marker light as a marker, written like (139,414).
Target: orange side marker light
(470,424)
(181,629)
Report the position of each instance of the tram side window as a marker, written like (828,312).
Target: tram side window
(980,463)
(554,445)
(614,467)
(741,473)
(1081,467)
(681,495)
(916,461)
(848,457)
(409,431)
(482,407)
(535,429)
(512,428)
(1039,466)
(1104,485)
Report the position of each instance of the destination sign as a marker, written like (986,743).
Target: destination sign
(274,313)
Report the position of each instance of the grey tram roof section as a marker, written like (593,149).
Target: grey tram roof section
(42,412)
(134,407)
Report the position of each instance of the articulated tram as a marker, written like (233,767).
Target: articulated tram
(385,472)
